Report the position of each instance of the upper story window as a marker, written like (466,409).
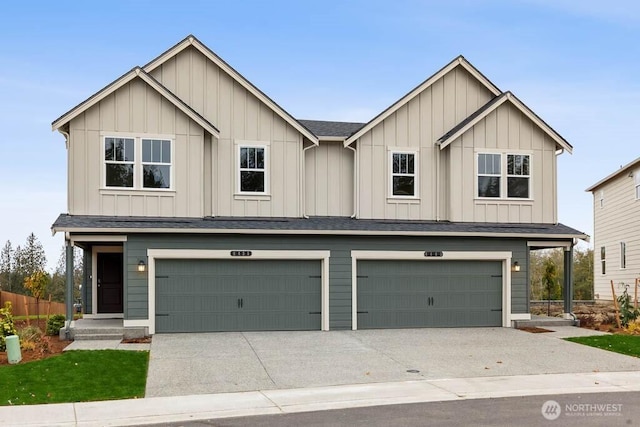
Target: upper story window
(137,163)
(252,169)
(636,177)
(504,175)
(403,174)
(603,261)
(156,163)
(119,161)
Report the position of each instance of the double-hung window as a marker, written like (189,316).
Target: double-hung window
(252,169)
(403,174)
(156,163)
(489,175)
(137,163)
(119,162)
(504,175)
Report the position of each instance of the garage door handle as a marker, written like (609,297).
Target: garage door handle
(362,312)
(315,312)
(496,309)
(240,302)
(161,314)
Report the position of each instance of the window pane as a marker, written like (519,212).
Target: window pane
(244,154)
(251,157)
(119,150)
(496,164)
(166,151)
(403,186)
(252,181)
(482,164)
(488,186)
(510,164)
(109,149)
(525,165)
(156,176)
(156,151)
(396,163)
(410,163)
(128,150)
(146,150)
(602,252)
(518,187)
(260,158)
(119,175)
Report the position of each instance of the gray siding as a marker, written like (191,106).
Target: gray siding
(339,266)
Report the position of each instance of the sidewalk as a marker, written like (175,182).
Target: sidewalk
(223,405)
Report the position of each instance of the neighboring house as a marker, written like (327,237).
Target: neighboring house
(616,231)
(202,205)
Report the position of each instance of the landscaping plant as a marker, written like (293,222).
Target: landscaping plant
(37,283)
(628,313)
(6,325)
(54,324)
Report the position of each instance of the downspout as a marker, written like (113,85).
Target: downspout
(304,180)
(438,149)
(356,182)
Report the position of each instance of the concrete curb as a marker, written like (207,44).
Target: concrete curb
(224,405)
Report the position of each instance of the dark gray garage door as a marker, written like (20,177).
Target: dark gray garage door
(416,294)
(237,295)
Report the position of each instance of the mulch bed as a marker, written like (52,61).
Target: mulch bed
(48,347)
(534,329)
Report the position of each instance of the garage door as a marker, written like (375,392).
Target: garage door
(417,294)
(237,295)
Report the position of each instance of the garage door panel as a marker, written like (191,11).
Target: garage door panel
(237,295)
(407,294)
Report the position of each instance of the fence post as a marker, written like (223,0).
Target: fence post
(26,308)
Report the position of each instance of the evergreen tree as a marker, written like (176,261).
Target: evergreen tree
(6,266)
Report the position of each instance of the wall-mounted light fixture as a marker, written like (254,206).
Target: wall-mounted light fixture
(142,267)
(516,266)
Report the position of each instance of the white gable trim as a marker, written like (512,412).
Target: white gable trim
(459,61)
(122,81)
(523,109)
(192,41)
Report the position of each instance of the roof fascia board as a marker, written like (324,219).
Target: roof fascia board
(186,109)
(125,79)
(208,53)
(620,171)
(460,60)
(524,110)
(444,143)
(316,232)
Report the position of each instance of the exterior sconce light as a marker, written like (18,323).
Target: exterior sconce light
(142,267)
(516,266)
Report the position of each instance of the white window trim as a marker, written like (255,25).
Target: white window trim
(416,173)
(503,175)
(267,168)
(137,163)
(142,163)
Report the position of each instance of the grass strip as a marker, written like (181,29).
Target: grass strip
(623,344)
(75,376)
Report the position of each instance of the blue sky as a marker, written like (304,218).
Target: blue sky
(575,63)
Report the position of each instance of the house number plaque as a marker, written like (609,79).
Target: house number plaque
(240,253)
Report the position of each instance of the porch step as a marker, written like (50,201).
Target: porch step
(101,336)
(98,331)
(541,323)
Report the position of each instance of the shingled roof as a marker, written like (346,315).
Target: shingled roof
(323,128)
(313,225)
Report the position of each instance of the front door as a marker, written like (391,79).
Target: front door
(110,282)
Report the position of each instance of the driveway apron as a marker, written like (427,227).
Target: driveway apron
(184,364)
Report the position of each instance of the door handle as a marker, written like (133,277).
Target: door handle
(241,302)
(238,302)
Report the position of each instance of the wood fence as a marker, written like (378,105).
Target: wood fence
(22,305)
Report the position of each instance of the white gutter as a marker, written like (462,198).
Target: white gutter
(438,185)
(303,190)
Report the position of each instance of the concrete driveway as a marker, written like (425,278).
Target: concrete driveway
(184,364)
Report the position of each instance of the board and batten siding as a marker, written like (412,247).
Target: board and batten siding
(415,126)
(505,130)
(618,220)
(329,180)
(136,296)
(241,118)
(134,110)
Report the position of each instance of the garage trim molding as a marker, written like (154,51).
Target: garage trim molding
(155,254)
(505,257)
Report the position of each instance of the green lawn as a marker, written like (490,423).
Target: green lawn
(625,344)
(75,376)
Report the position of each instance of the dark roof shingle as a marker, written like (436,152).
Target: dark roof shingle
(325,128)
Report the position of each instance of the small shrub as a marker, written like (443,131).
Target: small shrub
(27,345)
(627,312)
(54,324)
(633,328)
(30,333)
(7,326)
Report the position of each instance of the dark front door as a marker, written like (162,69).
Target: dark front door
(110,282)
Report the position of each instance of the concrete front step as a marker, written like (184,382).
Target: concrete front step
(98,331)
(546,322)
(78,336)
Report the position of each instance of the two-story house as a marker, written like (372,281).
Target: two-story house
(202,205)
(616,231)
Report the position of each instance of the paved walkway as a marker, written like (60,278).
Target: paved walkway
(223,405)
